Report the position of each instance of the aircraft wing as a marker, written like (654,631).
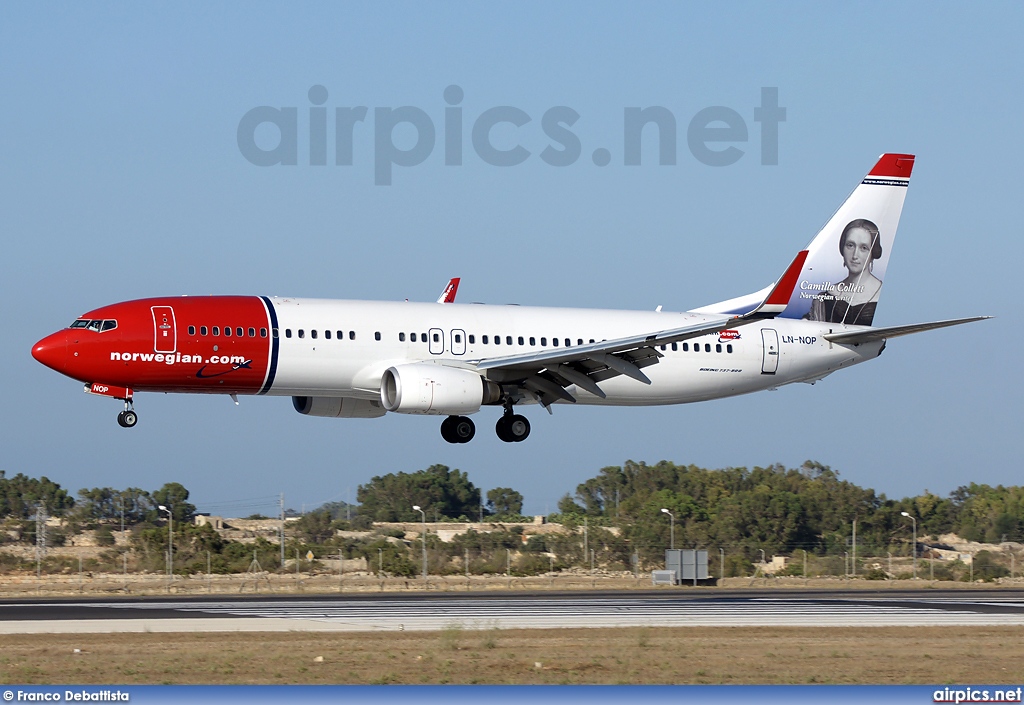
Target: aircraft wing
(870,335)
(546,374)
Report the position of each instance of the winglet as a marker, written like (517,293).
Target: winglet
(448,295)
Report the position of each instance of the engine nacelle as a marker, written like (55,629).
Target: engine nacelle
(339,407)
(424,388)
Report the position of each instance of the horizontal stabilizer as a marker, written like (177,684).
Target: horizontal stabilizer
(870,335)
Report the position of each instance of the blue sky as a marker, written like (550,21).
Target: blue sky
(122,178)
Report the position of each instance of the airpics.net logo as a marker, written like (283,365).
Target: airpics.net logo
(715,136)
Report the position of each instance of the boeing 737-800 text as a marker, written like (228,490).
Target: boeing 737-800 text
(362,359)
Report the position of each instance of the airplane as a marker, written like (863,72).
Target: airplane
(363,359)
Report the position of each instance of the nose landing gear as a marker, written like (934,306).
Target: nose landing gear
(458,429)
(127,418)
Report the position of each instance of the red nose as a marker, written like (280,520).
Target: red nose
(52,351)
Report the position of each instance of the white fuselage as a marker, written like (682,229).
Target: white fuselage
(699,370)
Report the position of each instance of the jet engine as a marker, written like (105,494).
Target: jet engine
(424,388)
(338,407)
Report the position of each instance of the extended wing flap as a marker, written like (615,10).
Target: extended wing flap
(870,335)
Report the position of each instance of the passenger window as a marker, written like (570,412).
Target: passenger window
(568,342)
(239,332)
(508,340)
(401,337)
(216,330)
(580,341)
(302,333)
(263,333)
(664,347)
(423,337)
(191,330)
(277,333)
(227,330)
(472,339)
(728,348)
(252,332)
(686,347)
(351,335)
(533,341)
(707,347)
(376,335)
(412,337)
(543,340)
(497,340)
(718,347)
(341,334)
(312,334)
(327,334)
(675,346)
(287,332)
(521,341)
(203,330)
(591,340)
(458,338)
(554,341)
(111,325)
(437,338)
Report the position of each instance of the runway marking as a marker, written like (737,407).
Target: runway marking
(417,615)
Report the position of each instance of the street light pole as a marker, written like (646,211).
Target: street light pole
(671,529)
(170,542)
(423,538)
(915,541)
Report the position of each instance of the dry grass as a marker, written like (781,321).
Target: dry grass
(455,655)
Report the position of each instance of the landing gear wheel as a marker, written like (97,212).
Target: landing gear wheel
(464,429)
(458,429)
(519,427)
(512,428)
(128,418)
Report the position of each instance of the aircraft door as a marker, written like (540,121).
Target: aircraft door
(770,361)
(165,337)
(436,344)
(458,342)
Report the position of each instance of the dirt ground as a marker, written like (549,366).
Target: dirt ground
(585,656)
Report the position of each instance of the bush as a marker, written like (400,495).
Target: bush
(104,536)
(876,574)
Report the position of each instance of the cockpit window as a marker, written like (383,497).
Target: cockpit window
(95,325)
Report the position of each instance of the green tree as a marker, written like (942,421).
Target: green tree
(504,501)
(20,495)
(174,496)
(314,527)
(438,490)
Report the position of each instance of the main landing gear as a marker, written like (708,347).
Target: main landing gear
(127,418)
(512,428)
(458,429)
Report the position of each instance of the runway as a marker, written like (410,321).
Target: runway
(538,611)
